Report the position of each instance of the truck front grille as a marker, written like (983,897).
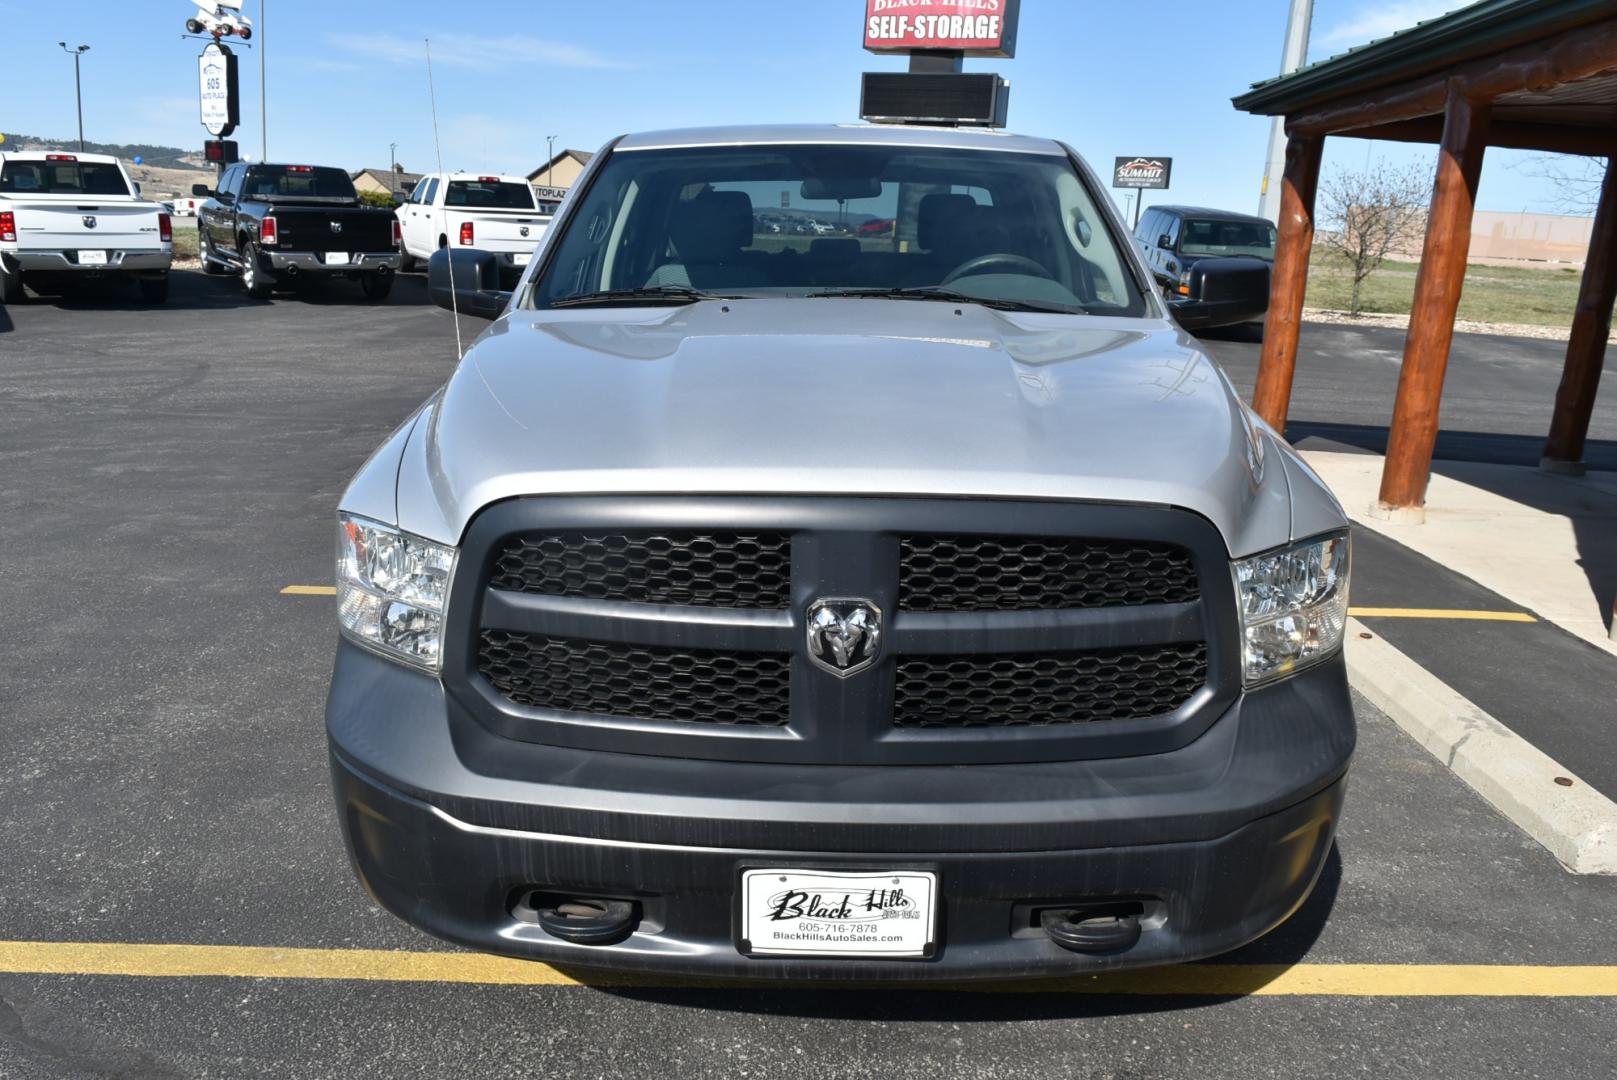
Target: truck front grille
(639,683)
(678,626)
(1023,691)
(732,570)
(1033,573)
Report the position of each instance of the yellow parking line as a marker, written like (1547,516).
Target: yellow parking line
(309,590)
(1439,613)
(1193,980)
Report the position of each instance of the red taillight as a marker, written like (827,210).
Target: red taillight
(488,179)
(300,168)
(398,237)
(8,225)
(61,157)
(267,232)
(466,234)
(165,228)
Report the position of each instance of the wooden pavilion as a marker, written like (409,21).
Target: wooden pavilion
(1530,74)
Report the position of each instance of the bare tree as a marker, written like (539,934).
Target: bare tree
(1574,181)
(1373,212)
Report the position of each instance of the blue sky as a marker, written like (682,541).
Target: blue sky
(1147,77)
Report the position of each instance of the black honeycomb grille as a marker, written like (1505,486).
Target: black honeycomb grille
(637,682)
(1017,691)
(1012,573)
(730,570)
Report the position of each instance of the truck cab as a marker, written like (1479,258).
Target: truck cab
(922,605)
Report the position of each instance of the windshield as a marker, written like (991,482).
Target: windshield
(62,178)
(297,182)
(489,194)
(812,220)
(1254,238)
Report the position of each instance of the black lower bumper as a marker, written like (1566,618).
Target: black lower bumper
(1214,844)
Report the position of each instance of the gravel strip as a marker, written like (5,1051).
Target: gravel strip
(1464,326)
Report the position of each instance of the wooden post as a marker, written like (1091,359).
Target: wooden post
(1288,282)
(1437,299)
(1586,350)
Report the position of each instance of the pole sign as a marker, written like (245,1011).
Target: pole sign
(216,88)
(552,194)
(973,27)
(1142,172)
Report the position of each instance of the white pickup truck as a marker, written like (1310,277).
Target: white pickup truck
(496,214)
(66,217)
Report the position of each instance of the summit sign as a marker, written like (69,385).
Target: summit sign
(1142,172)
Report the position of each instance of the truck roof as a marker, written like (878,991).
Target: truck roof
(41,155)
(846,134)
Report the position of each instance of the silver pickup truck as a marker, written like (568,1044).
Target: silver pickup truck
(69,217)
(916,601)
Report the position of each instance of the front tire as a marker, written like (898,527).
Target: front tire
(253,279)
(154,290)
(376,286)
(210,263)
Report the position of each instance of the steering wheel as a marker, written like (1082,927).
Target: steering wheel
(1002,260)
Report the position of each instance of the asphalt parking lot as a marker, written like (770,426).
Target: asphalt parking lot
(170,471)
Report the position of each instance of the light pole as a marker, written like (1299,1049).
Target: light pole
(78,93)
(550,165)
(263,99)
(392,168)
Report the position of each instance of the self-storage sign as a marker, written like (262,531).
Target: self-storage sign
(975,27)
(1142,172)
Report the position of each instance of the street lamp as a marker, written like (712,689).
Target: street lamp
(392,168)
(550,165)
(78,94)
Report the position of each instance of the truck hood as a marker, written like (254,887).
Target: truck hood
(841,396)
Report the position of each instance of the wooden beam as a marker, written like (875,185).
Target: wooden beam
(1550,138)
(1437,299)
(1586,349)
(1537,65)
(1288,283)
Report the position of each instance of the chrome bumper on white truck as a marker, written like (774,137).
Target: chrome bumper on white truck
(69,260)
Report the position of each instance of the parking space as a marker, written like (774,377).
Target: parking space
(171,472)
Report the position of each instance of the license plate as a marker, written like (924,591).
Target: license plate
(520,259)
(92,258)
(838,913)
(338,258)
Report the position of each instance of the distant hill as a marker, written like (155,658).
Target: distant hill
(169,157)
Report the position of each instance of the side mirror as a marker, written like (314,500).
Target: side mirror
(201,191)
(476,289)
(1223,292)
(1164,241)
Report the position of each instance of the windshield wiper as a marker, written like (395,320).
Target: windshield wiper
(676,294)
(939,292)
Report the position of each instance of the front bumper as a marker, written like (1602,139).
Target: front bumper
(1220,840)
(66,261)
(314,262)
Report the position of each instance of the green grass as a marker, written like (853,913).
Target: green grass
(1538,295)
(185,238)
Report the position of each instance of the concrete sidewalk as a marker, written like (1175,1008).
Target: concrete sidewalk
(1545,542)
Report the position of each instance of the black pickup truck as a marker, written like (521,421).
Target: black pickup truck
(283,224)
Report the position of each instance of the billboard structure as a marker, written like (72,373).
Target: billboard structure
(971,27)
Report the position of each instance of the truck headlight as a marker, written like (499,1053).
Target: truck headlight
(391,590)
(1293,606)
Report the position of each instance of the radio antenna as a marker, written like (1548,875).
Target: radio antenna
(449,253)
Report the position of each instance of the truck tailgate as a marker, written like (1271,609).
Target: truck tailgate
(339,228)
(495,230)
(72,224)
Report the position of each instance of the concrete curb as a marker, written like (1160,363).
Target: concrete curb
(1577,824)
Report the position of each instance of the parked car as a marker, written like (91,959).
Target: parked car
(876,227)
(185,206)
(1174,238)
(857,613)
(74,217)
(282,224)
(497,214)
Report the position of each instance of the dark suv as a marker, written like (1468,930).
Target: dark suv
(1172,239)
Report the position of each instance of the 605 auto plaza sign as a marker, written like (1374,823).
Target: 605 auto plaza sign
(978,27)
